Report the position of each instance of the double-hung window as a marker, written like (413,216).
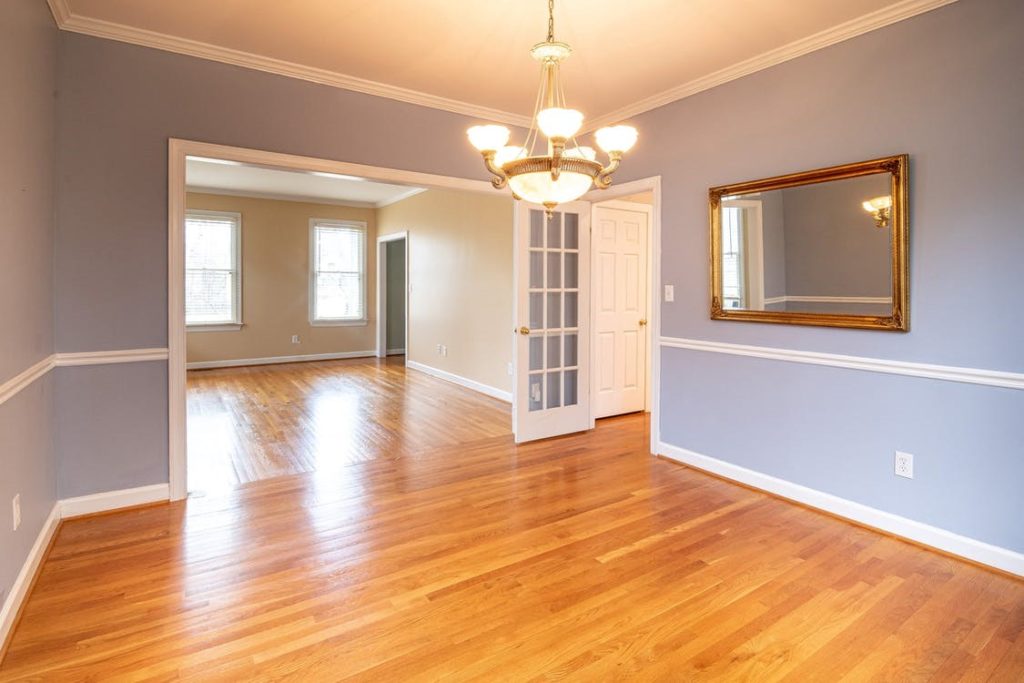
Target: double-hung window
(337,272)
(213,277)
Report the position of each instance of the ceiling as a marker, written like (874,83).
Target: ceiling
(472,56)
(234,178)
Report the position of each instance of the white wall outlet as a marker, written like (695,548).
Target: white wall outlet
(295,339)
(444,350)
(904,465)
(439,349)
(670,293)
(16,512)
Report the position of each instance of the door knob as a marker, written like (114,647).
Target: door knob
(643,321)
(524,330)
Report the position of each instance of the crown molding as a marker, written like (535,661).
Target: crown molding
(68,21)
(837,34)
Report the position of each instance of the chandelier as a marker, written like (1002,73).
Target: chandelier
(567,170)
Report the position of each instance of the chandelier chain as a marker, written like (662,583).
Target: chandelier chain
(551,21)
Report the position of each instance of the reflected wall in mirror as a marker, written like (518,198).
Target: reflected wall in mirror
(825,247)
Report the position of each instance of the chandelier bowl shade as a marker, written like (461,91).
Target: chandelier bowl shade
(488,138)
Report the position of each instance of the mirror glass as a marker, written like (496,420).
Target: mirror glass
(808,249)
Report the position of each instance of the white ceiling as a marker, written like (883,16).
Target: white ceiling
(472,56)
(233,178)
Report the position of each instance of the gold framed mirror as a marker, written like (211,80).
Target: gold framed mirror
(825,247)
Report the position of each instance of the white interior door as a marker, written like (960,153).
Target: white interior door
(620,310)
(552,340)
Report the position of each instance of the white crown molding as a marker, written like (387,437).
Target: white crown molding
(934,537)
(280,197)
(11,387)
(485,389)
(275,360)
(837,34)
(109,357)
(411,192)
(68,21)
(949,373)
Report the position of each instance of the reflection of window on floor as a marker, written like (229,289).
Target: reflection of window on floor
(212,268)
(338,272)
(732,257)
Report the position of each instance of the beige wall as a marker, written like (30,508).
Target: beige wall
(275,283)
(460,279)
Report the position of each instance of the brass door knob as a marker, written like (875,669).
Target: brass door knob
(524,330)
(643,322)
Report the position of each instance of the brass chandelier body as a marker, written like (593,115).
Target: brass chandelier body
(568,170)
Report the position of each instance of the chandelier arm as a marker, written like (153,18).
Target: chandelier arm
(604,178)
(500,177)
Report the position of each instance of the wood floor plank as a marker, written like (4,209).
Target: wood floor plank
(378,524)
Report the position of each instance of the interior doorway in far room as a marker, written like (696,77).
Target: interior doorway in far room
(393,302)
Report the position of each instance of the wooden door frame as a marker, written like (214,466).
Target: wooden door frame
(382,290)
(651,184)
(177,152)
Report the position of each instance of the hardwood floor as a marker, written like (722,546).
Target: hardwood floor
(454,554)
(252,423)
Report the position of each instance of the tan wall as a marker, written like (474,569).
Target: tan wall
(275,283)
(460,279)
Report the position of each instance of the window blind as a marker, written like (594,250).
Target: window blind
(339,277)
(212,280)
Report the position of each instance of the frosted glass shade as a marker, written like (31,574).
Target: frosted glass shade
(507,154)
(877,203)
(539,188)
(616,138)
(556,122)
(488,138)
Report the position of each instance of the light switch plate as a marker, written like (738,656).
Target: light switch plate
(670,293)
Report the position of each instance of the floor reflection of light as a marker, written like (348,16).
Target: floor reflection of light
(212,438)
(337,453)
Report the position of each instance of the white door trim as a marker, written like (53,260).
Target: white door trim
(382,291)
(617,191)
(177,151)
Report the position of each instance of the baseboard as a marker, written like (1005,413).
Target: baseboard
(918,532)
(23,583)
(113,500)
(274,360)
(461,381)
(395,352)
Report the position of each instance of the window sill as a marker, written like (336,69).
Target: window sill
(214,327)
(339,323)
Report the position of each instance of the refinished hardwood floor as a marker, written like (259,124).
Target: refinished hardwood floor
(580,558)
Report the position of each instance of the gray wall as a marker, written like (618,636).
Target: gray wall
(118,106)
(947,87)
(28,53)
(773,242)
(395,252)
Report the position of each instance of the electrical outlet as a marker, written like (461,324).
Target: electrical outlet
(670,293)
(904,465)
(444,350)
(16,511)
(295,339)
(439,349)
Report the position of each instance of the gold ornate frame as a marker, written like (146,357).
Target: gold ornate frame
(899,320)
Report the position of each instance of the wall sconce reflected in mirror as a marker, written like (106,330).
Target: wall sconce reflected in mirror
(879,208)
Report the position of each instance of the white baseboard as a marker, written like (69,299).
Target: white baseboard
(962,546)
(112,500)
(274,360)
(19,590)
(395,352)
(461,381)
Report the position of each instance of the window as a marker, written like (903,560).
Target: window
(732,257)
(337,272)
(212,268)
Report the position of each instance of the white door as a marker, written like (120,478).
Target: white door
(552,305)
(620,310)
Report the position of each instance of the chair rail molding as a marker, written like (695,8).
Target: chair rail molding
(949,373)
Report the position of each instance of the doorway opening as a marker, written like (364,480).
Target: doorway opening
(392,294)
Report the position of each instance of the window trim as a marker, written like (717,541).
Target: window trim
(314,223)
(222,325)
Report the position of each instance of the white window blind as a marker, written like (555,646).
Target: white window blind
(338,272)
(732,257)
(212,276)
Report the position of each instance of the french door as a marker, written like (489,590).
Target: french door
(552,347)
